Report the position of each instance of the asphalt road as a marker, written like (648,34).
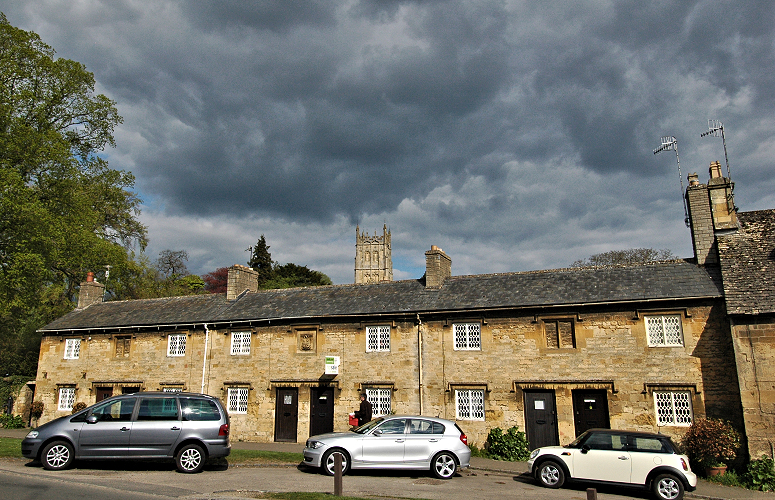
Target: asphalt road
(20,479)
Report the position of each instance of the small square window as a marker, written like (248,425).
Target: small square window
(673,408)
(559,334)
(240,343)
(380,401)
(176,345)
(122,346)
(72,348)
(664,331)
(469,404)
(377,338)
(238,399)
(468,336)
(66,398)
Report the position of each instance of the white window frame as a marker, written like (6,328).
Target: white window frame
(657,330)
(66,398)
(72,348)
(468,336)
(176,347)
(469,404)
(172,389)
(378,338)
(240,343)
(676,408)
(238,399)
(381,401)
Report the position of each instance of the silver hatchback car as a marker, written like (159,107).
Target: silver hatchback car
(393,442)
(185,427)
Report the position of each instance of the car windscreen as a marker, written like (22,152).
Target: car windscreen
(368,426)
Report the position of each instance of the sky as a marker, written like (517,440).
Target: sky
(514,135)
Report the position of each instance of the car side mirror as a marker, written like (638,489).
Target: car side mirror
(585,449)
(377,433)
(91,419)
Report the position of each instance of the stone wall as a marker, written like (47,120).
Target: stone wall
(611,353)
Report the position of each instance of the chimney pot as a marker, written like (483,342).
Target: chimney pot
(90,277)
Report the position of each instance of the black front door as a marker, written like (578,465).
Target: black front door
(590,410)
(321,418)
(541,419)
(286,414)
(104,393)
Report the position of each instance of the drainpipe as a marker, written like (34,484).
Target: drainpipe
(204,359)
(419,357)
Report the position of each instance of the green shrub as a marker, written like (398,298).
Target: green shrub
(729,478)
(11,421)
(37,409)
(80,405)
(711,442)
(761,474)
(511,446)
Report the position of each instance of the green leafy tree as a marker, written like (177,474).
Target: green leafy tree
(625,257)
(63,211)
(291,276)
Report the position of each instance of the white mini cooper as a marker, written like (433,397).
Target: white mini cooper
(630,458)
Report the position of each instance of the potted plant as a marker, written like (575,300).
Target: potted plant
(78,406)
(36,410)
(712,443)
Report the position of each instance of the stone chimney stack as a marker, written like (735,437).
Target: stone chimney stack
(438,267)
(91,292)
(240,278)
(711,210)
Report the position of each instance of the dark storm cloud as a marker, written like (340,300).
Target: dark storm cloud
(514,134)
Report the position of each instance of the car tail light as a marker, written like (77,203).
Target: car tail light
(685,466)
(464,438)
(224,430)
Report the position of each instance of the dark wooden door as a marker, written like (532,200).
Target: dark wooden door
(286,414)
(104,392)
(541,419)
(590,410)
(321,418)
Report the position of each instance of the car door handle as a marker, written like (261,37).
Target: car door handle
(399,440)
(124,429)
(176,428)
(624,458)
(433,440)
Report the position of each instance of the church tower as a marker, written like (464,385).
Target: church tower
(373,261)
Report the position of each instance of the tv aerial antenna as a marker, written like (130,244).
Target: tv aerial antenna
(715,129)
(671,143)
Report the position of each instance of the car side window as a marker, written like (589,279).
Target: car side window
(119,411)
(648,444)
(425,427)
(396,426)
(194,409)
(158,409)
(605,441)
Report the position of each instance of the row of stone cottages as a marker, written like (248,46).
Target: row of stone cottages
(648,347)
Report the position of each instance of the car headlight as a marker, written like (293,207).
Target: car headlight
(32,434)
(314,444)
(534,453)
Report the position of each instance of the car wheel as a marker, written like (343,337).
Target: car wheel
(190,459)
(667,487)
(550,474)
(444,465)
(328,462)
(57,455)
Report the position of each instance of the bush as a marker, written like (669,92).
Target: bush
(711,442)
(511,447)
(761,474)
(78,406)
(11,422)
(37,409)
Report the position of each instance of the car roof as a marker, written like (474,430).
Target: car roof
(164,394)
(631,433)
(424,417)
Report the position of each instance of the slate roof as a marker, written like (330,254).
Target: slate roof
(657,281)
(748,264)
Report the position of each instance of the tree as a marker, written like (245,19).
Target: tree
(291,276)
(625,257)
(63,211)
(216,281)
(261,260)
(172,263)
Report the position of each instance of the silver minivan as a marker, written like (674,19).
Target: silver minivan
(189,428)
